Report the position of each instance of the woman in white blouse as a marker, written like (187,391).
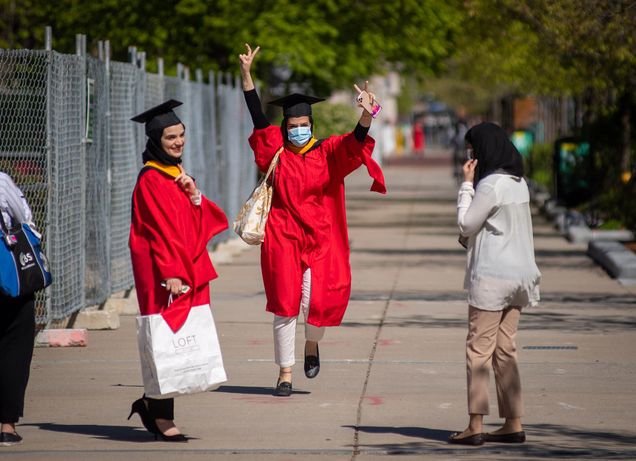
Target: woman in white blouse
(493,214)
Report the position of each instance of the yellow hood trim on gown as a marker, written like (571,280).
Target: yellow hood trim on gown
(301,150)
(170,170)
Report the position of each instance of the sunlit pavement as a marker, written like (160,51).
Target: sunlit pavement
(392,381)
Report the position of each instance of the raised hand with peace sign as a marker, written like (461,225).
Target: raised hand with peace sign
(246,64)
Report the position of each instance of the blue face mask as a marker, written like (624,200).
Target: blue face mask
(299,136)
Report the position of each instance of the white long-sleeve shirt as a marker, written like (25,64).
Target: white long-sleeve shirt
(500,269)
(13,205)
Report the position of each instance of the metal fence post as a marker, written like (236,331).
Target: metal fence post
(108,140)
(81,52)
(48,43)
(132,54)
(48,38)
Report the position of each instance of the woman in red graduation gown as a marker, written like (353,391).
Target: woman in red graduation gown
(172,223)
(305,254)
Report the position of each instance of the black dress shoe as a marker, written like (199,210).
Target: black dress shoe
(9,438)
(513,437)
(171,438)
(312,363)
(475,439)
(139,406)
(283,389)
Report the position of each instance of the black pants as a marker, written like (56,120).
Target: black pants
(160,408)
(17,335)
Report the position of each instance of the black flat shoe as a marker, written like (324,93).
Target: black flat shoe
(139,407)
(312,363)
(513,437)
(283,389)
(475,439)
(8,439)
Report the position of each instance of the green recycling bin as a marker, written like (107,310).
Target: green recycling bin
(573,171)
(523,140)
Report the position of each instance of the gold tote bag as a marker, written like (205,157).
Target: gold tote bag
(251,220)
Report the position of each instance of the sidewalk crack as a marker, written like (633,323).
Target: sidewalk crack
(363,394)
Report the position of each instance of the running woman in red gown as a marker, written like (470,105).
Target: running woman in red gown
(305,254)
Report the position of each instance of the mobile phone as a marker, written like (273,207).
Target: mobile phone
(372,107)
(470,154)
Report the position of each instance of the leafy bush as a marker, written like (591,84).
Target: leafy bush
(334,119)
(539,165)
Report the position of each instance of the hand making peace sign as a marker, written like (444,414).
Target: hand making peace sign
(246,64)
(246,59)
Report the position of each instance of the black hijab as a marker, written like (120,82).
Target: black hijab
(494,151)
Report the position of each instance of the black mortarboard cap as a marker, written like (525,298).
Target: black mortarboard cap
(296,105)
(159,117)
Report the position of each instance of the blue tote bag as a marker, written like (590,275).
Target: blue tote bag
(23,265)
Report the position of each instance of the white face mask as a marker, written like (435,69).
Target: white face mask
(299,135)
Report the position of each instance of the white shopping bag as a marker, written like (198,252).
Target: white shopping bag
(185,362)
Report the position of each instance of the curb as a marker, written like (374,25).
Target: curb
(603,245)
(225,252)
(76,337)
(94,319)
(620,262)
(121,304)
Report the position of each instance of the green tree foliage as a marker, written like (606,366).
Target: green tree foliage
(581,48)
(551,47)
(19,19)
(334,119)
(324,44)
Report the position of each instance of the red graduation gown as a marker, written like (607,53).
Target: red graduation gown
(307,225)
(168,238)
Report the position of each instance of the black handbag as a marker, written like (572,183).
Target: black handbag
(23,265)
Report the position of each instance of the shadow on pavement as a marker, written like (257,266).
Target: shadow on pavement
(419,432)
(577,322)
(566,312)
(118,433)
(411,252)
(579,302)
(252,390)
(460,251)
(538,322)
(544,440)
(443,221)
(438,197)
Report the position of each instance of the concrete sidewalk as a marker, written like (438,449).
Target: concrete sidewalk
(392,382)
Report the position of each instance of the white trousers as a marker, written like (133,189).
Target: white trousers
(285,329)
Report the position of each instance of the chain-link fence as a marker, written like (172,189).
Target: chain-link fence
(23,132)
(67,141)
